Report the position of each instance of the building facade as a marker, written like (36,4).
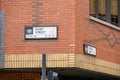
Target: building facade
(86,44)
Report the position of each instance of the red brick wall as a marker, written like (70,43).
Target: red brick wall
(39,13)
(0,4)
(19,76)
(104,38)
(17,15)
(72,19)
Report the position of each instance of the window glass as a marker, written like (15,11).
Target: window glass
(102,9)
(114,12)
(92,7)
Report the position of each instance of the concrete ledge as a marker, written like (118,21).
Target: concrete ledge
(62,60)
(93,64)
(35,60)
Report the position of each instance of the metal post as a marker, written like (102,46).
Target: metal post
(43,66)
(2,39)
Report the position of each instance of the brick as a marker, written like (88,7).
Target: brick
(19,76)
(74,27)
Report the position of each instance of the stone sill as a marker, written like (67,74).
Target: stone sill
(105,23)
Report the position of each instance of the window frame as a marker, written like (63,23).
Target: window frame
(118,13)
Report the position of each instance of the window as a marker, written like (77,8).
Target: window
(114,12)
(106,10)
(102,9)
